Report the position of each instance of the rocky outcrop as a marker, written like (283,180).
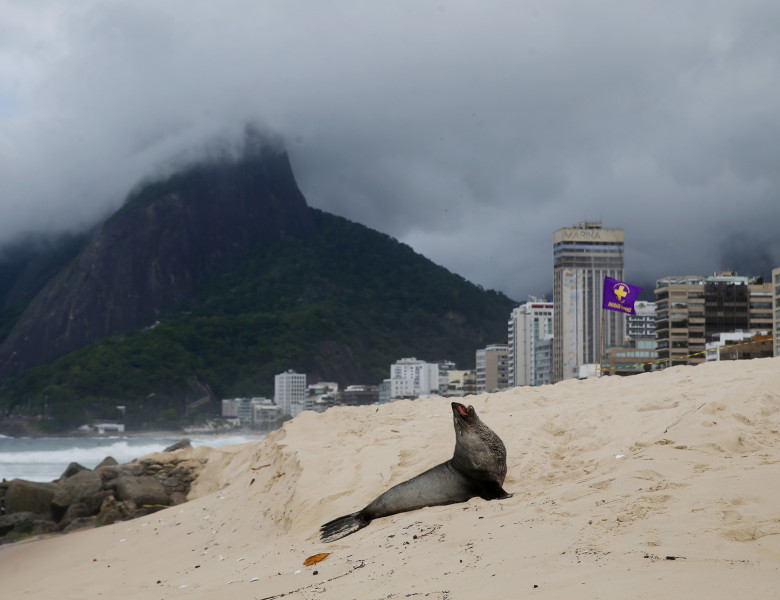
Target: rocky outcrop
(83,498)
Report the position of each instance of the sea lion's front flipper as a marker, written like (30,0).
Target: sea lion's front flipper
(493,491)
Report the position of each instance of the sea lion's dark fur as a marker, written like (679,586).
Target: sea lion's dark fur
(477,468)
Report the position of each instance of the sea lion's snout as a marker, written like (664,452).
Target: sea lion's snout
(462,412)
(459,409)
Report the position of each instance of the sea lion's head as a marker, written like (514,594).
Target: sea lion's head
(465,417)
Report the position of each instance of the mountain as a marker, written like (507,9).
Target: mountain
(207,284)
(155,252)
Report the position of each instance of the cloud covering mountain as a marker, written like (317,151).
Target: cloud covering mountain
(469,131)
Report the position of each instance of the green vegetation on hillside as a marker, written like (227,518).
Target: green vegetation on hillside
(340,306)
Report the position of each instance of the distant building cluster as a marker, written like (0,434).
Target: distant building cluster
(410,378)
(694,319)
(723,316)
(259,413)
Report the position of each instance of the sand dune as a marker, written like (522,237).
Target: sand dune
(657,485)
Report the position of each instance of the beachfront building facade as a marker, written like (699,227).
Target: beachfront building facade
(679,308)
(529,335)
(290,392)
(760,304)
(776,309)
(694,310)
(583,255)
(736,303)
(492,368)
(411,378)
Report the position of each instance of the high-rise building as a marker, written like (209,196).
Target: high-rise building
(492,368)
(776,309)
(290,392)
(530,331)
(582,256)
(679,315)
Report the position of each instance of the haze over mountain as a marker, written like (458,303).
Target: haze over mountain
(469,131)
(207,283)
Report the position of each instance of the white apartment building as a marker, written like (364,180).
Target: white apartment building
(290,392)
(412,377)
(530,334)
(642,324)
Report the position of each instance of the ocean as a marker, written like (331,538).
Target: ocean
(45,459)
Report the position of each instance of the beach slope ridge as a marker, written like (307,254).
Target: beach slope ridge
(657,484)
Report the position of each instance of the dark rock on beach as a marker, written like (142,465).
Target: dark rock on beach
(75,489)
(108,461)
(185,443)
(19,521)
(83,498)
(72,469)
(29,496)
(143,491)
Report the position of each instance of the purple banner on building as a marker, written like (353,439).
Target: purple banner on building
(619,296)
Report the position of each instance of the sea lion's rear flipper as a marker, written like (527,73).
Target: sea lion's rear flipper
(343,526)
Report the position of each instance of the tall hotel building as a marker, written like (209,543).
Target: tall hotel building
(582,256)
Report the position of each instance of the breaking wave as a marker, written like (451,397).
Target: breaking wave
(44,459)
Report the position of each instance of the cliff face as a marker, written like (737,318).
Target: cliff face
(154,251)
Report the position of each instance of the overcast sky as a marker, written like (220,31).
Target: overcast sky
(469,130)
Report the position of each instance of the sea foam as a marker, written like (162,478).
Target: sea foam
(44,459)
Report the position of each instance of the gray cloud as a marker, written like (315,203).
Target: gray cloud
(470,131)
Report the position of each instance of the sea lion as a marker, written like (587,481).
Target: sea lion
(477,468)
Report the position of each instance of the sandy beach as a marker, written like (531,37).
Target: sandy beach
(661,485)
